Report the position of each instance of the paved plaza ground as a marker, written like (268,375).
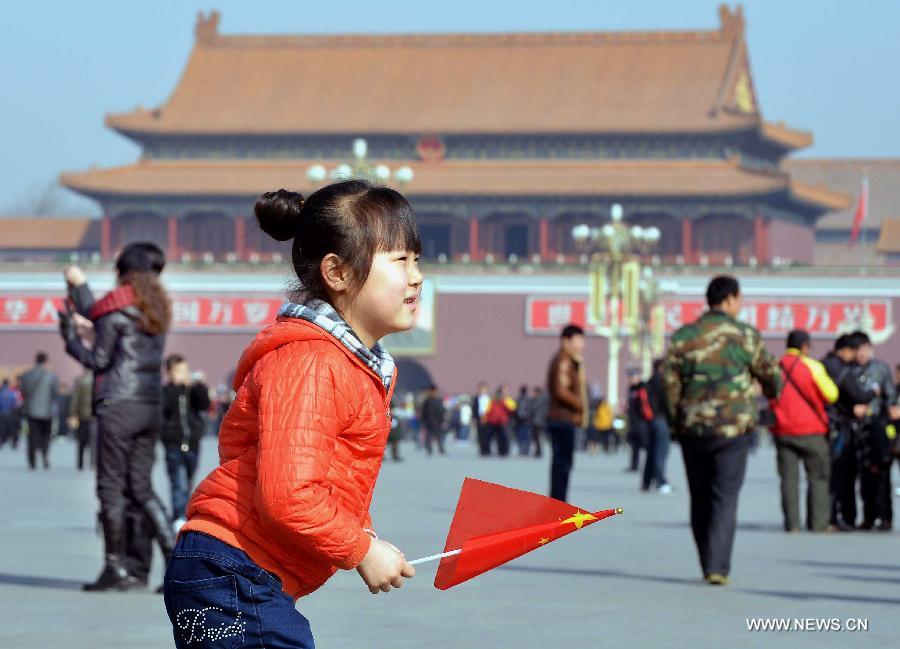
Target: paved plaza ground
(630,581)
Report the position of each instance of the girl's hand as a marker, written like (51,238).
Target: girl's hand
(74,276)
(383,567)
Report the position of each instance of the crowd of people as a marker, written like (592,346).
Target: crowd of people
(55,411)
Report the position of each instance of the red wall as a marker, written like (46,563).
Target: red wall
(479,337)
(791,241)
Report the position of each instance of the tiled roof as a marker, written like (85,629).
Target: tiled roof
(546,177)
(663,82)
(39,233)
(786,136)
(889,240)
(845,176)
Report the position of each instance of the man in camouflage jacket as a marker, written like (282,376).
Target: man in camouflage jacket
(709,382)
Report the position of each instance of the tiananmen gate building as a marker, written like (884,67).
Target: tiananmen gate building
(513,139)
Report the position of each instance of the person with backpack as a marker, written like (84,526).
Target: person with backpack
(653,409)
(801,434)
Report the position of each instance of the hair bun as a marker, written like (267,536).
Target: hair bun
(278,213)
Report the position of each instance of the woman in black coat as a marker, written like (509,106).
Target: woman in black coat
(129,326)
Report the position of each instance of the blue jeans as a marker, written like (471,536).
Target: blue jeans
(181,466)
(657,453)
(217,597)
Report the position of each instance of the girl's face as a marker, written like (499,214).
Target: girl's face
(388,301)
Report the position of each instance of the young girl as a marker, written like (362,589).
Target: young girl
(301,446)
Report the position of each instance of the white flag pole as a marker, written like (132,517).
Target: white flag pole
(434,557)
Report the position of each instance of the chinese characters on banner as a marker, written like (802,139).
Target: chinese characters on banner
(188,312)
(822,318)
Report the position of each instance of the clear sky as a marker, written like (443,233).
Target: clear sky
(830,66)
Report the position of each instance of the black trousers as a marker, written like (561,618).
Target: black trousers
(9,428)
(843,480)
(38,440)
(536,432)
(875,460)
(484,439)
(638,433)
(127,435)
(432,436)
(715,468)
(499,433)
(86,436)
(562,438)
(875,489)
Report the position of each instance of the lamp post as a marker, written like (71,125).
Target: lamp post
(622,296)
(360,167)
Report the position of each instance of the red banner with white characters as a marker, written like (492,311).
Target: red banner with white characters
(822,318)
(189,313)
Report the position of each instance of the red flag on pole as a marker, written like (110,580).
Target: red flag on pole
(494,524)
(862,210)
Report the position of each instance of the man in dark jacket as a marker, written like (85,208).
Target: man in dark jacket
(433,420)
(40,388)
(567,408)
(638,425)
(9,415)
(852,395)
(658,433)
(539,405)
(874,445)
(185,403)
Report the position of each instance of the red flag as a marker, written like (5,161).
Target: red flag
(862,210)
(494,524)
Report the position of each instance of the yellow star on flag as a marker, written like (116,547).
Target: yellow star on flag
(543,541)
(580,518)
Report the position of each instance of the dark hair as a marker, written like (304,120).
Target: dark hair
(861,338)
(797,338)
(658,364)
(571,330)
(139,265)
(172,360)
(40,358)
(353,219)
(140,257)
(846,341)
(720,289)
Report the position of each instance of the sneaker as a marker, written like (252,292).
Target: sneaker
(664,489)
(715,579)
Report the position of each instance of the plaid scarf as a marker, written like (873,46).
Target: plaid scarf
(115,300)
(324,316)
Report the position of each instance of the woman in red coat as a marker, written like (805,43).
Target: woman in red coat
(302,444)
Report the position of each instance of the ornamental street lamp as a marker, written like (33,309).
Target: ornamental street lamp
(622,294)
(360,168)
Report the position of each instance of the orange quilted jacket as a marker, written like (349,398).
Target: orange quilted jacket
(299,453)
